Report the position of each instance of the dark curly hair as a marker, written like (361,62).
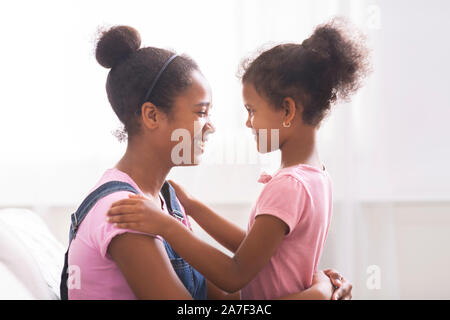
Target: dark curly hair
(328,66)
(133,70)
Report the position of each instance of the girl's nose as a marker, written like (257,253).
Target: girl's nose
(248,123)
(211,128)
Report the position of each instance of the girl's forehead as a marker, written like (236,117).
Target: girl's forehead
(249,93)
(197,95)
(199,79)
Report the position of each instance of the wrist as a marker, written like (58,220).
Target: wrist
(166,225)
(191,207)
(325,290)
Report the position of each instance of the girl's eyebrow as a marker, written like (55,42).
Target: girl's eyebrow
(203,104)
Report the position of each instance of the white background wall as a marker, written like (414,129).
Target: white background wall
(387,150)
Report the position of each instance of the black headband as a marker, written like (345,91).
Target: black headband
(149,92)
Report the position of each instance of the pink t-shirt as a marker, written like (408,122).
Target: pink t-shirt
(301,197)
(92,272)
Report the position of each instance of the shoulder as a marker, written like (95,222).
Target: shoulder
(102,206)
(283,190)
(283,197)
(285,182)
(103,231)
(299,179)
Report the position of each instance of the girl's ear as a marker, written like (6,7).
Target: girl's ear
(290,108)
(151,116)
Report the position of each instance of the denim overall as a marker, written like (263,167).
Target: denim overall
(194,282)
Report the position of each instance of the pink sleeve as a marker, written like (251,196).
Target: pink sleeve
(283,197)
(103,231)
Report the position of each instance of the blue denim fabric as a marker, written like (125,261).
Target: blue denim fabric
(194,282)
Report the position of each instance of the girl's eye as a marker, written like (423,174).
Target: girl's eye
(203,114)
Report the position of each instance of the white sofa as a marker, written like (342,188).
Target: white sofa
(31,259)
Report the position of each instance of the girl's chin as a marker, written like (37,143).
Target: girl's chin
(197,159)
(265,151)
(198,155)
(189,165)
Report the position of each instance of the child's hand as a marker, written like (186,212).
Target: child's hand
(138,213)
(320,279)
(343,289)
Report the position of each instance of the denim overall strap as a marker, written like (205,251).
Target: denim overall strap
(80,214)
(91,200)
(174,208)
(193,280)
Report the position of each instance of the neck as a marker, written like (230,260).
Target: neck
(300,149)
(146,167)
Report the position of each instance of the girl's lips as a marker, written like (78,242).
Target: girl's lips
(200,144)
(200,141)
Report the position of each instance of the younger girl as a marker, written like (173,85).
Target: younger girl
(290,87)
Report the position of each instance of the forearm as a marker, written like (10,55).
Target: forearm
(316,292)
(216,266)
(222,230)
(214,293)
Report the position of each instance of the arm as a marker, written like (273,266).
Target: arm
(312,293)
(228,273)
(214,293)
(321,289)
(327,284)
(343,287)
(222,230)
(230,236)
(146,267)
(318,291)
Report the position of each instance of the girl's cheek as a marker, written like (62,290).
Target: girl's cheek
(201,120)
(199,127)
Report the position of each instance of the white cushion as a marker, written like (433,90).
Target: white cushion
(12,288)
(31,252)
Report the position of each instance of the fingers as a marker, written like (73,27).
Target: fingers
(334,276)
(129,218)
(128,225)
(336,282)
(338,294)
(174,184)
(331,272)
(137,196)
(177,187)
(343,293)
(122,209)
(129,201)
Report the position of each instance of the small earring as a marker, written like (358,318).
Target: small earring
(286,125)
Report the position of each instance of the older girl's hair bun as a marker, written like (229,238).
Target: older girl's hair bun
(116,44)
